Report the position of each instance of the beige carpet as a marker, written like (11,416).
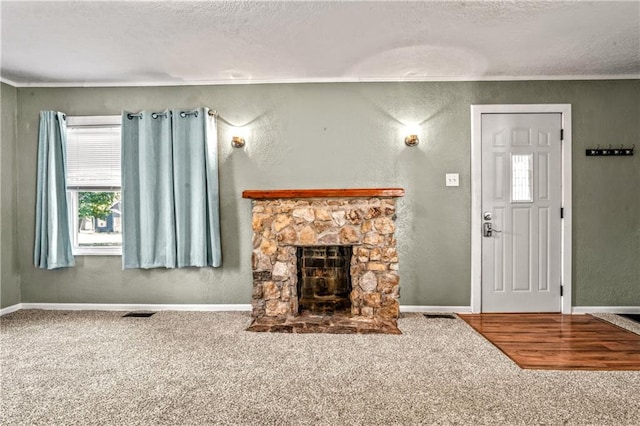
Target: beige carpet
(188,368)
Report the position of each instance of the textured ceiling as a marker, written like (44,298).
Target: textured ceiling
(175,42)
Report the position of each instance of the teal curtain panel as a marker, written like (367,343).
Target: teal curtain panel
(52,237)
(170,190)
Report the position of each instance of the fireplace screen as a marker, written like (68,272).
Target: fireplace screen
(324,279)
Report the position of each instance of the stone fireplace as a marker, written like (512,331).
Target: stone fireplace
(325,260)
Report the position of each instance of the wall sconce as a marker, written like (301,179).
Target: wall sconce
(411,140)
(237,141)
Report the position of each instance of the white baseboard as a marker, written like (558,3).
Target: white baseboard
(247,308)
(422,308)
(605,310)
(183,307)
(9,309)
(135,307)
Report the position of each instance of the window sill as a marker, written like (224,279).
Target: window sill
(97,251)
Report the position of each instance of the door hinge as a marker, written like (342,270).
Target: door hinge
(561,290)
(561,134)
(561,212)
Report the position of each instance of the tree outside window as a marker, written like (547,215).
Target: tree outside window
(95,206)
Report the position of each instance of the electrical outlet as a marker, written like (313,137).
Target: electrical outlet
(452,179)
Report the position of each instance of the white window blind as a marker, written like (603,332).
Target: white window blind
(93,153)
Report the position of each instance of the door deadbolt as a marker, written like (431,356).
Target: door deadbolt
(486,216)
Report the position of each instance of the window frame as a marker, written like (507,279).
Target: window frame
(72,193)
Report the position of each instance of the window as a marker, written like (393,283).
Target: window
(521,178)
(93,184)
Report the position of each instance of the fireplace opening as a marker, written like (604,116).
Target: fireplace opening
(324,279)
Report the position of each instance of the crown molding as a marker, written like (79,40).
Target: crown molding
(9,82)
(319,80)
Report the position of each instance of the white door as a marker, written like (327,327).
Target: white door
(521,216)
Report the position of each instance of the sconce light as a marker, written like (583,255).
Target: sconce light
(411,140)
(237,141)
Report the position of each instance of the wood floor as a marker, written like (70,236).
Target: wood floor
(559,342)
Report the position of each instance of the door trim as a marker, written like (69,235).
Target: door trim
(476,195)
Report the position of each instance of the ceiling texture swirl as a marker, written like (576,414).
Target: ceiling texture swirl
(108,43)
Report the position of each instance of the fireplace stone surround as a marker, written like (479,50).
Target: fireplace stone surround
(362,220)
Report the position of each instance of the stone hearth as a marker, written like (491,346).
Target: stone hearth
(359,220)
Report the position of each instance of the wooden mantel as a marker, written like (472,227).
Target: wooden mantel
(270,194)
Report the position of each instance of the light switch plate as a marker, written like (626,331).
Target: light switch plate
(452,179)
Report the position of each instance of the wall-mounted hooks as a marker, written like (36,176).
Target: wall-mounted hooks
(622,151)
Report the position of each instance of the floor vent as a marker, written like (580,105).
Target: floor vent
(138,314)
(445,316)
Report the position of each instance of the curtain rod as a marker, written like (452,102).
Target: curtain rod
(183,114)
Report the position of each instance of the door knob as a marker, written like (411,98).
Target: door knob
(487,229)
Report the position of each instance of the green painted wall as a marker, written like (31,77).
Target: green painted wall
(351,135)
(9,273)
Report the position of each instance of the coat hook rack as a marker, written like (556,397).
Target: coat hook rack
(622,151)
